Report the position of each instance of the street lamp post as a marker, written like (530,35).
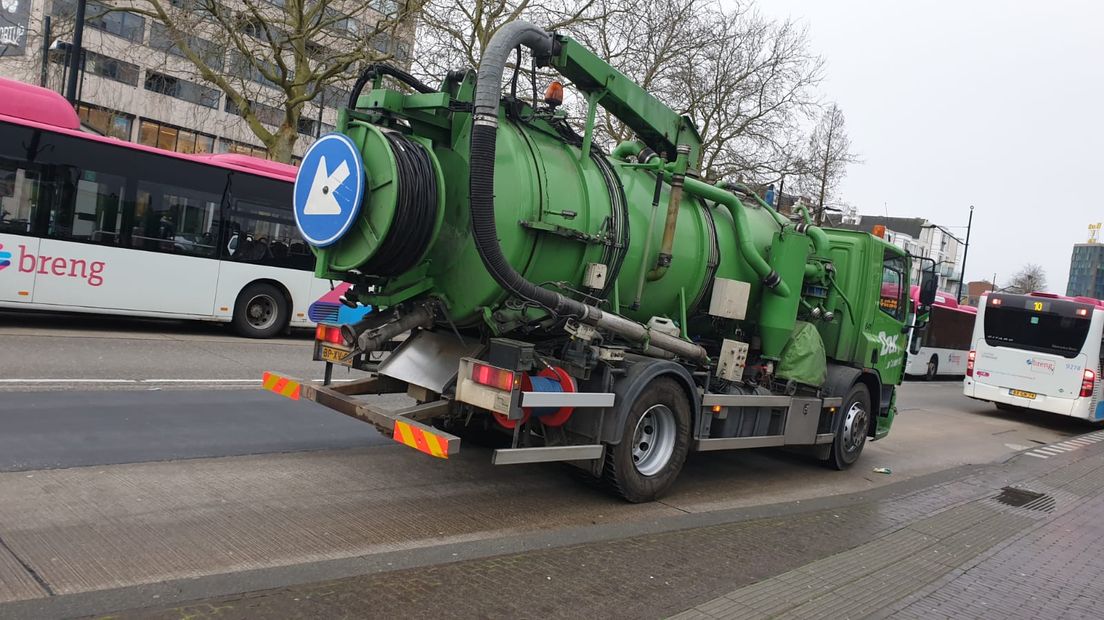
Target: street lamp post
(76,53)
(965,253)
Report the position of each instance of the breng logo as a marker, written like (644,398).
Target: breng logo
(89,271)
(1039,365)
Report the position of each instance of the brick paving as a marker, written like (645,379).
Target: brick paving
(990,557)
(950,550)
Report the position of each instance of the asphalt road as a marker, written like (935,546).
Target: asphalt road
(41,351)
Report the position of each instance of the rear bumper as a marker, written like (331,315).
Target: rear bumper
(404,425)
(1078,408)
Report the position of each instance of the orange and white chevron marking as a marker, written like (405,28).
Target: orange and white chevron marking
(419,439)
(281,385)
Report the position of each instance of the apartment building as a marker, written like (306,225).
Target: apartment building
(136,85)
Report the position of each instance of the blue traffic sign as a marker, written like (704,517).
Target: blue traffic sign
(328,189)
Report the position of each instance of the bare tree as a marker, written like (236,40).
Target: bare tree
(827,157)
(1030,278)
(275,60)
(746,81)
(453,33)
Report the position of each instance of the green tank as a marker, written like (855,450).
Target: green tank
(629,234)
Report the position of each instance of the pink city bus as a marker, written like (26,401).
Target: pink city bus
(941,347)
(95,224)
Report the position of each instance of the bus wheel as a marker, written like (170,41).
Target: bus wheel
(933,369)
(851,434)
(260,312)
(654,443)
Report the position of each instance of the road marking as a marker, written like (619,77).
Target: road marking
(1041,456)
(1049,451)
(1054,449)
(153,380)
(198,380)
(68,381)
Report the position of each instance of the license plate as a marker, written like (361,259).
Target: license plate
(1022,394)
(336,356)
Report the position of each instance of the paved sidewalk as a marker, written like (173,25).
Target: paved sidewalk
(1014,539)
(1028,551)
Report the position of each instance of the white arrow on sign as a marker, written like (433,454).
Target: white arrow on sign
(320,199)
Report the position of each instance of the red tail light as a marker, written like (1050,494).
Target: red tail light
(330,334)
(970,363)
(493,377)
(1088,383)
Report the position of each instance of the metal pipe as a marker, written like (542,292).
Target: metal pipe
(420,316)
(627,149)
(769,277)
(642,334)
(663,261)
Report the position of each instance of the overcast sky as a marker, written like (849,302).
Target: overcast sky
(995,104)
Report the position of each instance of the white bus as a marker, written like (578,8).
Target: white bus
(94,224)
(942,345)
(1039,351)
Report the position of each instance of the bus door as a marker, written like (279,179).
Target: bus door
(1034,346)
(20,197)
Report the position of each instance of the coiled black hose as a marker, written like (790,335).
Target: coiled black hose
(411,230)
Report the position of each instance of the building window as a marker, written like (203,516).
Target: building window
(105,67)
(386,7)
(240,148)
(252,68)
(265,113)
(119,23)
(340,22)
(161,39)
(110,68)
(307,126)
(107,122)
(182,89)
(170,138)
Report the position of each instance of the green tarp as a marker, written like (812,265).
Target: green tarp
(803,358)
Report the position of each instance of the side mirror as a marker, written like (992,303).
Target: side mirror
(929,285)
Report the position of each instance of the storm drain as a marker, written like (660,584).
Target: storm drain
(1028,500)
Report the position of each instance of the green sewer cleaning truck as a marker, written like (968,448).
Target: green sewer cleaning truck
(606,309)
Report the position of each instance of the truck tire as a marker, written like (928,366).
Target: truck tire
(933,369)
(654,443)
(261,311)
(852,432)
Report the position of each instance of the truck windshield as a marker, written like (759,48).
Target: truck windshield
(1045,332)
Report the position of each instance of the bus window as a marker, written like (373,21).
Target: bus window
(89,206)
(20,194)
(1044,332)
(261,226)
(21,187)
(176,219)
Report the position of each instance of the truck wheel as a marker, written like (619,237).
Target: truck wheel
(654,443)
(933,369)
(261,311)
(851,435)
